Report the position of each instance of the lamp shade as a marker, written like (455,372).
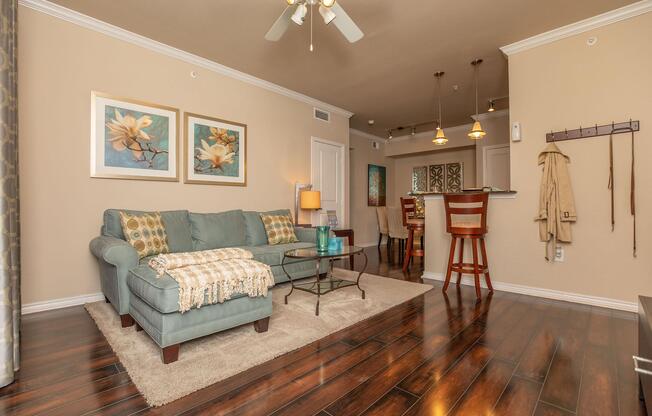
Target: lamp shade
(440,139)
(310,200)
(476,132)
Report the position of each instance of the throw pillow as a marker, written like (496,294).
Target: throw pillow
(145,232)
(279,229)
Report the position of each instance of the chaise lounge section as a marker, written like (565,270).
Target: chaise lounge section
(152,303)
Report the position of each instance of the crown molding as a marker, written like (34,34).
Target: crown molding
(366,135)
(604,19)
(96,25)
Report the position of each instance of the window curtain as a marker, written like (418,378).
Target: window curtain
(9,207)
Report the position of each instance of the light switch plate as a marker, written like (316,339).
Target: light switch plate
(559,254)
(516,131)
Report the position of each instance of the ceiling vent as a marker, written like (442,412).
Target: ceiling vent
(322,115)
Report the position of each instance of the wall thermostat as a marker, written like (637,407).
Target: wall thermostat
(516,131)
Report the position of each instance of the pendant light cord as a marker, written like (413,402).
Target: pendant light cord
(476,87)
(311,47)
(439,99)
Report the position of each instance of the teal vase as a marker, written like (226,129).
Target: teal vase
(322,237)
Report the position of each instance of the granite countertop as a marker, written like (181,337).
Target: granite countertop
(463,192)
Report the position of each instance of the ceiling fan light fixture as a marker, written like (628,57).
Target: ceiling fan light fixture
(327,3)
(300,14)
(327,14)
(476,132)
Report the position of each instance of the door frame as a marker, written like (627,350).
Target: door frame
(484,159)
(342,149)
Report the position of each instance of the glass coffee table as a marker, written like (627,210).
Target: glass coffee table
(322,286)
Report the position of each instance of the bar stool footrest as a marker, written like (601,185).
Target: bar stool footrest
(467,268)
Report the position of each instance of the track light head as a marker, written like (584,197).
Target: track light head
(492,106)
(327,3)
(291,2)
(389,135)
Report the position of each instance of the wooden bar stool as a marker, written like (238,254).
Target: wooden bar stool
(472,208)
(415,227)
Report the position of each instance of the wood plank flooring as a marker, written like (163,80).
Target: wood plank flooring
(434,355)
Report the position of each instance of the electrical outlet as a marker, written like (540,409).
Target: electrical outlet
(559,254)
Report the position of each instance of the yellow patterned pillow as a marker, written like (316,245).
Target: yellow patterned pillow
(145,232)
(279,229)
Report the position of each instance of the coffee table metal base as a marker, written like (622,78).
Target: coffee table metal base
(322,286)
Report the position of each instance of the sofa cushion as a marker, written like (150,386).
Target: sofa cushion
(161,293)
(224,229)
(279,229)
(255,233)
(146,233)
(273,255)
(177,227)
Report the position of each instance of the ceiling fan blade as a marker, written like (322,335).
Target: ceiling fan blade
(345,24)
(280,25)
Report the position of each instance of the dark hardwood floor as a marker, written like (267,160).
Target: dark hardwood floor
(434,355)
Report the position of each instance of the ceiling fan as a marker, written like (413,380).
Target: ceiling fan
(329,10)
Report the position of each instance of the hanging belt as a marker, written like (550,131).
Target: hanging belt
(632,191)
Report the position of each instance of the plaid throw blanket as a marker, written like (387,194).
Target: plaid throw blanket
(213,276)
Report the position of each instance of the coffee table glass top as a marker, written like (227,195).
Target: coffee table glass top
(312,253)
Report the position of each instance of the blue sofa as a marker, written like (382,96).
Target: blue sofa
(139,297)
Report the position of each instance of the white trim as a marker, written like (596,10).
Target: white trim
(484,159)
(604,19)
(546,293)
(91,23)
(366,135)
(49,305)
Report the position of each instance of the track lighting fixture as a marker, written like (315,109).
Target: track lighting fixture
(492,106)
(476,132)
(389,135)
(440,138)
(291,2)
(414,131)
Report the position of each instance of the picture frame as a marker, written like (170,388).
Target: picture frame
(215,151)
(376,185)
(133,139)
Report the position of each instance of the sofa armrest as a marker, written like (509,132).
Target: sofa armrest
(306,235)
(114,251)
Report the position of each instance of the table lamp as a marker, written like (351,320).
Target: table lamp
(310,200)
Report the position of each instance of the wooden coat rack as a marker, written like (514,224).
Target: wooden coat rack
(585,132)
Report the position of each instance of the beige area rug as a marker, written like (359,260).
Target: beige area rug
(216,357)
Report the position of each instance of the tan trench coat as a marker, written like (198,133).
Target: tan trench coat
(556,203)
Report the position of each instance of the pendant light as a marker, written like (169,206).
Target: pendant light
(476,132)
(440,138)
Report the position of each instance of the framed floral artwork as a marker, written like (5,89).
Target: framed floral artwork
(216,151)
(132,139)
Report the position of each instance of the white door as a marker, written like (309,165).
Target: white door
(327,165)
(496,166)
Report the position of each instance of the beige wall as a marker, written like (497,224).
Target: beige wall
(363,217)
(61,206)
(566,84)
(403,167)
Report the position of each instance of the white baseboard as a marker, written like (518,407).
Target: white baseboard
(49,305)
(543,293)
